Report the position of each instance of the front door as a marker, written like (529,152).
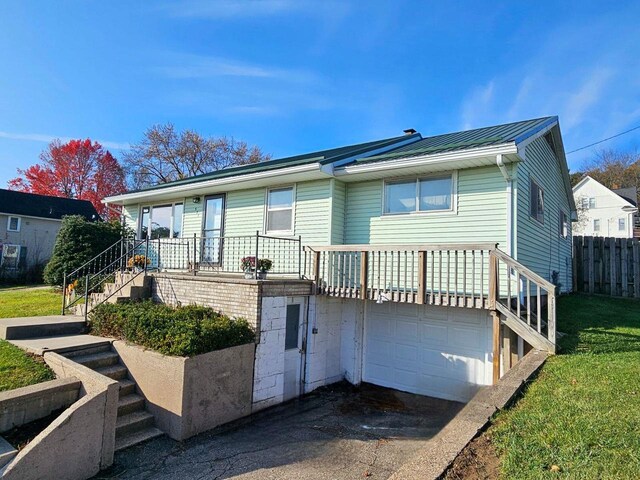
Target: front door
(293,348)
(212,230)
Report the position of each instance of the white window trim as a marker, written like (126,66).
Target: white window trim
(173,206)
(419,213)
(599,225)
(624,224)
(9,229)
(532,179)
(267,210)
(562,224)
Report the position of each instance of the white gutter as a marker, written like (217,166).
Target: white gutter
(177,189)
(422,160)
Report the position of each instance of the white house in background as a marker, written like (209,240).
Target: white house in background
(604,212)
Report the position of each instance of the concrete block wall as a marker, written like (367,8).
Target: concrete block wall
(268,382)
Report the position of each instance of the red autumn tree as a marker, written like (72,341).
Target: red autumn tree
(77,169)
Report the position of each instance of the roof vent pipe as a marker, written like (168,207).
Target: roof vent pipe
(409,131)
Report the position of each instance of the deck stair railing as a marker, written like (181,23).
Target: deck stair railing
(453,275)
(89,278)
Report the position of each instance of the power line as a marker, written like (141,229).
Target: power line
(609,138)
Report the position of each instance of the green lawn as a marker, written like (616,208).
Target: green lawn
(25,302)
(18,369)
(582,413)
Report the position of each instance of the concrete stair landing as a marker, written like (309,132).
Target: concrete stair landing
(46,326)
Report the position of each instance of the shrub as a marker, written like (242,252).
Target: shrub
(78,241)
(182,331)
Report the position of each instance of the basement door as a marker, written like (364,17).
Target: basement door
(293,348)
(436,351)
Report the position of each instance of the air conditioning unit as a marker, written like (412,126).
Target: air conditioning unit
(10,256)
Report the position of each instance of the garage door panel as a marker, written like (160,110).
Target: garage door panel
(431,334)
(406,328)
(434,352)
(466,337)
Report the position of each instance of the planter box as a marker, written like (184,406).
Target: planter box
(188,396)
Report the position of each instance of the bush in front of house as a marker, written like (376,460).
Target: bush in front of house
(78,241)
(182,331)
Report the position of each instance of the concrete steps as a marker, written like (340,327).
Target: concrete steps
(125,287)
(134,424)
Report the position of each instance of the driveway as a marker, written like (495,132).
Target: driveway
(337,432)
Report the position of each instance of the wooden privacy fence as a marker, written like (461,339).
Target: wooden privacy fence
(607,265)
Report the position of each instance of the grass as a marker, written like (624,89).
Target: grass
(26,302)
(582,413)
(17,368)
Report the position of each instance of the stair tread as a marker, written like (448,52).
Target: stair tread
(131,439)
(95,356)
(110,369)
(132,417)
(129,399)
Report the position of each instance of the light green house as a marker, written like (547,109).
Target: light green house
(391,244)
(505,185)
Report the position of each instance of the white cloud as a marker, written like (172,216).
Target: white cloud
(187,66)
(231,9)
(476,106)
(44,138)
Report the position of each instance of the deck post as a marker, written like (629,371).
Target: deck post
(496,346)
(422,276)
(316,270)
(364,268)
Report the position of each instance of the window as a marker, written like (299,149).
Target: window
(426,194)
(536,201)
(622,224)
(564,225)
(280,209)
(596,224)
(292,328)
(592,202)
(163,221)
(13,224)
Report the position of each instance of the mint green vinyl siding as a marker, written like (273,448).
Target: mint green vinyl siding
(131,215)
(192,218)
(244,212)
(480,216)
(540,246)
(338,201)
(313,212)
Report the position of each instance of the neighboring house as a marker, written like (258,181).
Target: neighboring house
(605,212)
(29,224)
(505,185)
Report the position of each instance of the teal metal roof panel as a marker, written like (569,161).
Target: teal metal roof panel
(480,137)
(322,156)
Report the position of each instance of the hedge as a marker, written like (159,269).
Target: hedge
(183,331)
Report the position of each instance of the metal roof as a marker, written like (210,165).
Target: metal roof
(322,156)
(514,132)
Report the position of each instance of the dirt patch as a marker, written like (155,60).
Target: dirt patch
(478,461)
(20,436)
(368,398)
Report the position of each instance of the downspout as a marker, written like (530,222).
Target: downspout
(507,176)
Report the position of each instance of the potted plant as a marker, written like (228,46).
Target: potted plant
(264,265)
(248,266)
(138,262)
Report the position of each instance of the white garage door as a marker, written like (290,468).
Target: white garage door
(436,351)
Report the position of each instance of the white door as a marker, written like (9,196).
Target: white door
(436,351)
(293,352)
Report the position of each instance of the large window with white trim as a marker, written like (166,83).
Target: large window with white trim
(161,221)
(280,210)
(422,194)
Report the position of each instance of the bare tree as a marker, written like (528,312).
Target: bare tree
(165,155)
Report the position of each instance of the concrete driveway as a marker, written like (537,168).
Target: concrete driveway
(337,432)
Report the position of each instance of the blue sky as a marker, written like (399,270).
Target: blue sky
(293,76)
